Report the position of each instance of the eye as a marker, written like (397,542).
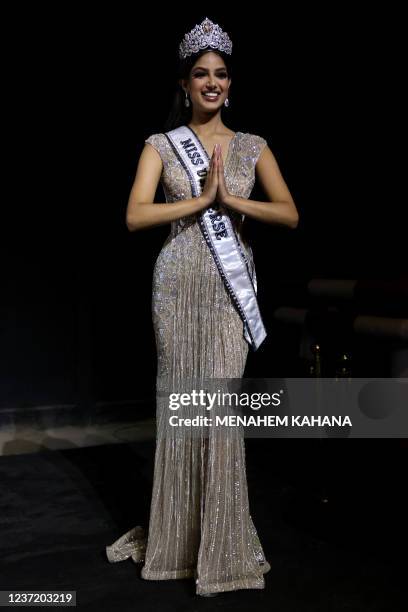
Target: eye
(220,75)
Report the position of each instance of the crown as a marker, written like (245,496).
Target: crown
(206,34)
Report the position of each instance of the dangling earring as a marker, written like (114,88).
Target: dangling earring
(226,102)
(187,101)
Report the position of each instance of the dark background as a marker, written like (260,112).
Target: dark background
(88,87)
(83,86)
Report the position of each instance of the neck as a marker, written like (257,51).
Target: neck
(206,125)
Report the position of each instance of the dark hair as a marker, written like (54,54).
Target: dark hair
(179,113)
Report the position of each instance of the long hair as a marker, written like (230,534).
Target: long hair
(179,113)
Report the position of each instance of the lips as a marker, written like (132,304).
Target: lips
(210,95)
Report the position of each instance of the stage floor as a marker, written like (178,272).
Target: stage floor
(60,508)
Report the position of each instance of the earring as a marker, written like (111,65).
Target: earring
(186,101)
(226,102)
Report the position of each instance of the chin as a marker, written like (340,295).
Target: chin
(211,106)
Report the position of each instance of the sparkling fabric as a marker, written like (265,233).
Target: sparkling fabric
(200,523)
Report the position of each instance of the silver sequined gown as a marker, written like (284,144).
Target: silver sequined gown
(200,523)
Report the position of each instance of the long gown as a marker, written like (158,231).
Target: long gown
(200,523)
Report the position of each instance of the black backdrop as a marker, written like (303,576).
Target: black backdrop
(88,88)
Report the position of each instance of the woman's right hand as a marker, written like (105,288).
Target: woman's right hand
(210,188)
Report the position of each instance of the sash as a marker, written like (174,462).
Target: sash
(220,236)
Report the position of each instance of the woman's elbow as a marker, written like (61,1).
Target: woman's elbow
(132,223)
(294,220)
(135,218)
(293,217)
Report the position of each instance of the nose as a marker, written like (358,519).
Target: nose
(211,82)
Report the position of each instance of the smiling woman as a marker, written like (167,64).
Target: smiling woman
(204,76)
(214,75)
(205,316)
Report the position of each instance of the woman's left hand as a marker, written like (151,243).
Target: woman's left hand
(222,193)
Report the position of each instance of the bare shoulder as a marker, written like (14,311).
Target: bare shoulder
(228,133)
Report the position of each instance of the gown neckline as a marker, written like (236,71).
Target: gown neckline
(227,159)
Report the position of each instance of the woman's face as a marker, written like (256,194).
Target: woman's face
(208,75)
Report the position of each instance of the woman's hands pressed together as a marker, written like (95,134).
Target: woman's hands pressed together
(209,192)
(222,192)
(215,189)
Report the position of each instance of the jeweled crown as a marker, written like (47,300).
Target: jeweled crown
(206,34)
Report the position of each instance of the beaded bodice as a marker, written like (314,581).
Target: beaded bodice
(243,153)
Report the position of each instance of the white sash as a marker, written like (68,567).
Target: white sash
(220,236)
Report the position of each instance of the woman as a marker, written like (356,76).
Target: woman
(205,316)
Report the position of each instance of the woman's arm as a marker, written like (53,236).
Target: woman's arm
(281,208)
(141,211)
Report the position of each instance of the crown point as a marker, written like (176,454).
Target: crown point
(207,26)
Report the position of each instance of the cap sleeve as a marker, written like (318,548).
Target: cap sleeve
(156,140)
(258,145)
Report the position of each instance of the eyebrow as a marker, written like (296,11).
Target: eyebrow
(201,68)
